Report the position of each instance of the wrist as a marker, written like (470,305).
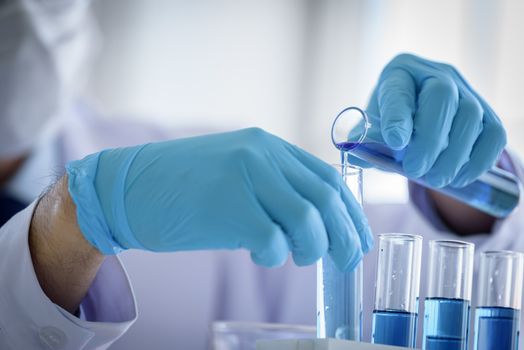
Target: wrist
(64,261)
(461,218)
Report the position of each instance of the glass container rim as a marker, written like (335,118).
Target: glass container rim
(405,237)
(452,243)
(353,169)
(221,326)
(502,253)
(364,116)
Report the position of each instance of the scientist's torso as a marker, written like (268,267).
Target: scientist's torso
(179,295)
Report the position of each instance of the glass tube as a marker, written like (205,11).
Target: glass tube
(339,294)
(397,290)
(496,192)
(447,305)
(497,316)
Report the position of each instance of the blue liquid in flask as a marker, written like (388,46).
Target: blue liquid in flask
(496,192)
(397,328)
(496,328)
(446,324)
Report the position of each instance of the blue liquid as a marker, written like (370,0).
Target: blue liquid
(496,192)
(496,328)
(339,302)
(446,324)
(394,328)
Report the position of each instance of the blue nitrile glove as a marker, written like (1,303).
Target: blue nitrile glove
(244,189)
(452,135)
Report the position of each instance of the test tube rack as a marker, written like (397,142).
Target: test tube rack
(320,344)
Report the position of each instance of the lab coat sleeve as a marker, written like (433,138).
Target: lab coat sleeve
(29,320)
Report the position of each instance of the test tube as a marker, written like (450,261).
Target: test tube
(447,305)
(397,290)
(339,294)
(497,315)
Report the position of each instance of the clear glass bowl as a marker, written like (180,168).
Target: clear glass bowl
(243,335)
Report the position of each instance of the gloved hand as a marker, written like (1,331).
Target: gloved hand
(244,189)
(450,134)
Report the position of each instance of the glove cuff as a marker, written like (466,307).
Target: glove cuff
(89,213)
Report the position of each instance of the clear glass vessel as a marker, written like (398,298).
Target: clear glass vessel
(447,305)
(339,294)
(397,290)
(497,316)
(233,335)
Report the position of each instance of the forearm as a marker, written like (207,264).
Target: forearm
(64,262)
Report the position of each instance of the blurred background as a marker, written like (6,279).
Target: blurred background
(291,66)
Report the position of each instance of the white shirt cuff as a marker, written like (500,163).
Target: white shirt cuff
(29,319)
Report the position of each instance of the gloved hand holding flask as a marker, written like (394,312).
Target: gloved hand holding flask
(426,123)
(452,135)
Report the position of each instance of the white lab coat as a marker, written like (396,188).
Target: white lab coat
(178,294)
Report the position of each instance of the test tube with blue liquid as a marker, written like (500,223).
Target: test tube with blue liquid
(447,305)
(395,314)
(358,134)
(339,294)
(497,316)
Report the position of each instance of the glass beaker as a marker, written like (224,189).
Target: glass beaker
(339,294)
(395,313)
(244,335)
(448,300)
(497,316)
(496,192)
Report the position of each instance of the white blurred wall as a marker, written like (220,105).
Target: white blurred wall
(228,63)
(290,66)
